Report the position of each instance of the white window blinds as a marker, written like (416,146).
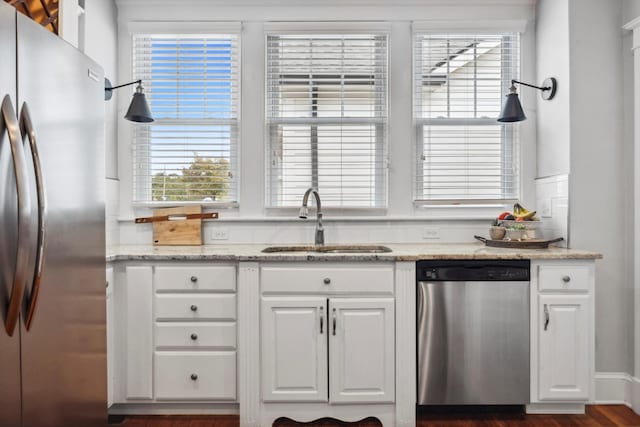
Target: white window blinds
(464,156)
(189,154)
(326,114)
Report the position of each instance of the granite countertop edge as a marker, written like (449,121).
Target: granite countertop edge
(400,252)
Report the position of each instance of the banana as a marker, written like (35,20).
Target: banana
(520,212)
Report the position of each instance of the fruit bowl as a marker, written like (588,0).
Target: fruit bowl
(529,225)
(528,229)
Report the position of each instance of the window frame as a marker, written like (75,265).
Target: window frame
(381,123)
(141,28)
(510,135)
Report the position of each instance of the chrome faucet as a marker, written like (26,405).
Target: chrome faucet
(304,212)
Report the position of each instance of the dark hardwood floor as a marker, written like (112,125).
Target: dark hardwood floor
(596,416)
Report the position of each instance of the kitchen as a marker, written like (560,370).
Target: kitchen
(376,105)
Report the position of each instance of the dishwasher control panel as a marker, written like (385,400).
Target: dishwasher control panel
(473,270)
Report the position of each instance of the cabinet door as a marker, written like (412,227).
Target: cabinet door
(294,350)
(361,350)
(139,332)
(110,337)
(563,347)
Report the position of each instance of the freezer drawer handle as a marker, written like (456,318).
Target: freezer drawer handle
(28,130)
(24,212)
(194,377)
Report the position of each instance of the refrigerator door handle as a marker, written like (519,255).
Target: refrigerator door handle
(24,214)
(27,129)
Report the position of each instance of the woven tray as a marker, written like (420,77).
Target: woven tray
(518,244)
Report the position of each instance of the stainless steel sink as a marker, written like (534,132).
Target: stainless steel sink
(331,249)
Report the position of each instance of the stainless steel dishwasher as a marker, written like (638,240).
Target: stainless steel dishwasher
(473,332)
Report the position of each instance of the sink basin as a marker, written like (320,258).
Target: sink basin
(330,249)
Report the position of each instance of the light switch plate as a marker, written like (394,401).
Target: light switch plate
(546,211)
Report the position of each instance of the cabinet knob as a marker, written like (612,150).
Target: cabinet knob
(194,377)
(194,308)
(327,281)
(194,279)
(566,279)
(194,337)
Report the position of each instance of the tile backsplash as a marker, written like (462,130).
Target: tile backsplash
(336,231)
(552,204)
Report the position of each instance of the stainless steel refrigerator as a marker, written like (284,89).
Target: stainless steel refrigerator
(52,254)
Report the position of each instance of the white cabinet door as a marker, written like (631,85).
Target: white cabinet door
(139,331)
(110,337)
(361,350)
(563,341)
(294,349)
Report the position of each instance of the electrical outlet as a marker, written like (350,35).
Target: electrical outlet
(431,233)
(218,233)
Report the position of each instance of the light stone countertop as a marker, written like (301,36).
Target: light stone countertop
(400,252)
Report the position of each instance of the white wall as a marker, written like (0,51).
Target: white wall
(597,180)
(404,221)
(552,46)
(584,50)
(101,44)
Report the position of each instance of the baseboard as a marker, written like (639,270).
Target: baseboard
(173,409)
(613,388)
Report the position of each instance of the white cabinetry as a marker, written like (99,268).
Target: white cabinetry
(294,349)
(564,347)
(336,346)
(361,350)
(195,309)
(110,337)
(179,329)
(562,332)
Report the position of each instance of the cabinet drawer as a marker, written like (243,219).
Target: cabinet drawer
(573,278)
(196,335)
(334,279)
(195,376)
(195,278)
(195,307)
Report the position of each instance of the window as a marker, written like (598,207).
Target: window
(464,156)
(189,154)
(326,115)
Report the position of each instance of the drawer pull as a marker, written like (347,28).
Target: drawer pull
(335,321)
(194,377)
(194,279)
(546,317)
(566,279)
(194,308)
(327,281)
(194,337)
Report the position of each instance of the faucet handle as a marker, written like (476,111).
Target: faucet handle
(304,212)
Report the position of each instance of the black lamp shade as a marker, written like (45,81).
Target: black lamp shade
(139,111)
(512,110)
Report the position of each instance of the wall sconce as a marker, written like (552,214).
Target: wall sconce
(139,110)
(512,110)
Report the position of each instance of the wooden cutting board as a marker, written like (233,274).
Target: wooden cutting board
(184,232)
